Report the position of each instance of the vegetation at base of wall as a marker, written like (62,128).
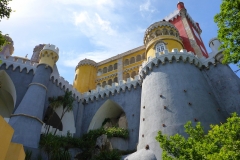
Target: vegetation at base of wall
(221,142)
(105,121)
(55,145)
(108,155)
(28,155)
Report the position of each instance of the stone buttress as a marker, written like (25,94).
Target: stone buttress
(27,119)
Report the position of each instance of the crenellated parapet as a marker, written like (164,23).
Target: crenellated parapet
(166,56)
(16,62)
(100,92)
(86,62)
(65,85)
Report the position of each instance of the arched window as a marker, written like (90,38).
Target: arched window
(133,74)
(104,84)
(132,60)
(138,58)
(105,70)
(99,84)
(99,73)
(115,79)
(171,32)
(75,77)
(115,66)
(126,62)
(110,82)
(143,56)
(110,68)
(165,31)
(160,47)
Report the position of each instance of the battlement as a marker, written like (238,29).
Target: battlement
(16,62)
(65,85)
(100,92)
(166,56)
(51,47)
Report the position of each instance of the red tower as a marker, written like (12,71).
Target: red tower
(190,31)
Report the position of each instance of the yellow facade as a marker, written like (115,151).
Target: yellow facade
(8,150)
(85,77)
(170,41)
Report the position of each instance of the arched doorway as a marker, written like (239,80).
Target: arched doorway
(7,95)
(110,110)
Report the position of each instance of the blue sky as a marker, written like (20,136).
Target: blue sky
(95,29)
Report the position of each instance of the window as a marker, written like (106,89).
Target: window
(115,79)
(133,74)
(99,84)
(126,76)
(110,82)
(105,70)
(132,60)
(104,84)
(99,73)
(138,58)
(165,31)
(126,62)
(143,56)
(115,66)
(160,47)
(110,68)
(171,32)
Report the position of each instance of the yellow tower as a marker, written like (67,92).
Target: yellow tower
(85,75)
(49,55)
(161,36)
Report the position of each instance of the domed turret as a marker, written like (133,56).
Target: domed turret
(86,72)
(161,36)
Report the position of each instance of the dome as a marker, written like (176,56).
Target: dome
(87,62)
(159,29)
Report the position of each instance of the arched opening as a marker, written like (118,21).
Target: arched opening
(105,70)
(110,82)
(115,66)
(133,74)
(109,110)
(138,58)
(104,84)
(115,79)
(7,95)
(110,68)
(126,62)
(99,73)
(132,60)
(171,32)
(126,76)
(143,56)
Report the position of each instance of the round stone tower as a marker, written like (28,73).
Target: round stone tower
(27,118)
(85,75)
(174,89)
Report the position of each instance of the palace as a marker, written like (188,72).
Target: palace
(169,80)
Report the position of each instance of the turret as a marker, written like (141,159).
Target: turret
(85,75)
(161,36)
(214,44)
(27,118)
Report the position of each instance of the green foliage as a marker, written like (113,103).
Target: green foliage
(28,155)
(4,9)
(229,32)
(108,155)
(221,142)
(4,12)
(55,145)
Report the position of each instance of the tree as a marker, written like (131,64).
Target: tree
(65,101)
(4,12)
(229,32)
(221,142)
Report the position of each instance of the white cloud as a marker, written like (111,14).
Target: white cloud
(146,6)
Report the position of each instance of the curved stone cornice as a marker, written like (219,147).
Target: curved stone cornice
(167,56)
(86,62)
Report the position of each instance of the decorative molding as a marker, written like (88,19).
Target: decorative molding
(25,115)
(51,47)
(86,62)
(107,77)
(39,84)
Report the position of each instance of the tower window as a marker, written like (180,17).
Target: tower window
(160,47)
